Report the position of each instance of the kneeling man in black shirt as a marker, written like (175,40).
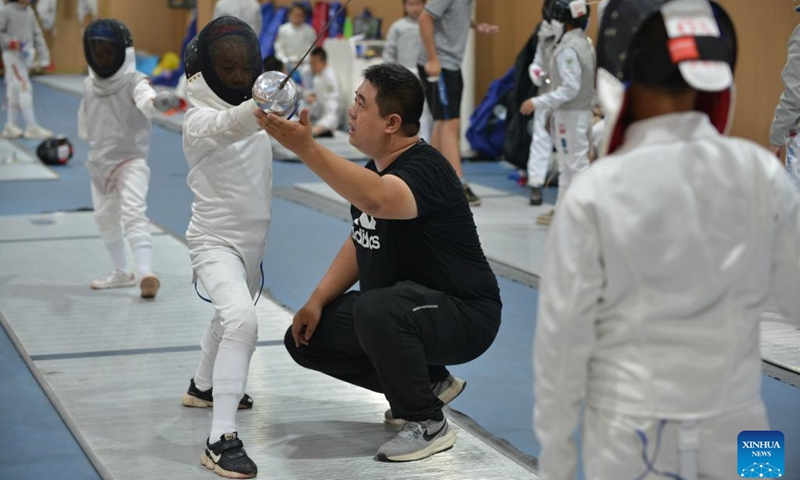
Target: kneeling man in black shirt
(428,297)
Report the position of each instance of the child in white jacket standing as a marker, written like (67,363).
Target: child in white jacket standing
(230,162)
(114,116)
(570,94)
(24,47)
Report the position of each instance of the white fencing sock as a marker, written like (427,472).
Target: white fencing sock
(13,112)
(143,255)
(204,375)
(230,378)
(26,105)
(116,249)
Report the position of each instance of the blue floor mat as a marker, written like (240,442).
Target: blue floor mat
(41,444)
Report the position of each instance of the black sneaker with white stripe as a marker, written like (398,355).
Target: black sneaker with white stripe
(228,459)
(195,397)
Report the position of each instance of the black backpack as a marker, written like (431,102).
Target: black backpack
(517,141)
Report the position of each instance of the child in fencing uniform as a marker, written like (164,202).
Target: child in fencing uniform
(541,148)
(570,93)
(662,256)
(24,47)
(114,116)
(230,164)
(294,37)
(402,46)
(322,94)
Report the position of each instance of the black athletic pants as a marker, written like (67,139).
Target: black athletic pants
(397,341)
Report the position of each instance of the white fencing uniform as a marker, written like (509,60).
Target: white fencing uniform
(541,148)
(784,129)
(18,24)
(292,42)
(47,10)
(656,270)
(325,111)
(86,8)
(249,11)
(230,162)
(572,77)
(114,117)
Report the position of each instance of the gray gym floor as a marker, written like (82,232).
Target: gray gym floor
(115,366)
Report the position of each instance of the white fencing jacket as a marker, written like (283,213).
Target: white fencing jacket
(292,42)
(114,116)
(230,173)
(657,266)
(18,23)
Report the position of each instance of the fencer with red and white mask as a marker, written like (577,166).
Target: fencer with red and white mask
(570,93)
(662,256)
(114,116)
(230,174)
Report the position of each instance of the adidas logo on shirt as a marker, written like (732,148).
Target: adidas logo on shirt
(360,232)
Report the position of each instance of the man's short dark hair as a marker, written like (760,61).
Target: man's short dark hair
(400,92)
(321,53)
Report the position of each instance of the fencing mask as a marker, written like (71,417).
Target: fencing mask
(55,151)
(667,44)
(104,44)
(227,54)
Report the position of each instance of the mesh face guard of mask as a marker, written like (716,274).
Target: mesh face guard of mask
(104,43)
(228,55)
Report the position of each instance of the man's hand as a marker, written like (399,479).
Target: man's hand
(527,107)
(433,68)
(311,98)
(305,322)
(487,28)
(296,136)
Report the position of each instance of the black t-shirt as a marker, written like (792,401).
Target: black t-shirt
(439,249)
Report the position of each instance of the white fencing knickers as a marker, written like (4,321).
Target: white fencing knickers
(231,338)
(120,203)
(19,90)
(571,138)
(622,447)
(541,150)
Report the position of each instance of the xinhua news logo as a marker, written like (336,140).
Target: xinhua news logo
(761,454)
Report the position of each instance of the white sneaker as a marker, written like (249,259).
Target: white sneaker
(37,132)
(115,279)
(11,131)
(149,285)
